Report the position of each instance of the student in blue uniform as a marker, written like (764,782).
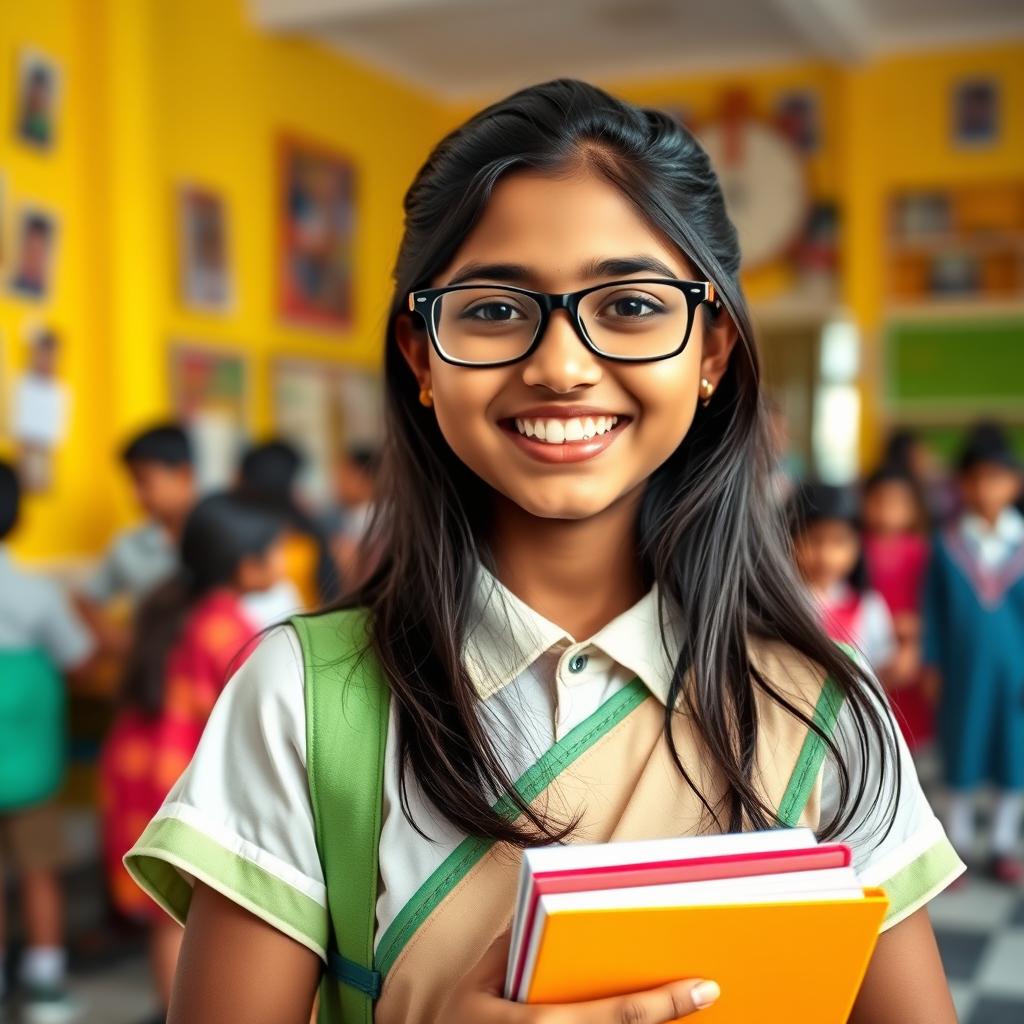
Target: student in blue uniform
(974,640)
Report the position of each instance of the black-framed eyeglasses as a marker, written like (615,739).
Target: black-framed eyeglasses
(630,321)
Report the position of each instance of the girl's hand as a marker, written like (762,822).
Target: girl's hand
(477,999)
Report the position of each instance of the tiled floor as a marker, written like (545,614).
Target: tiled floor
(980,929)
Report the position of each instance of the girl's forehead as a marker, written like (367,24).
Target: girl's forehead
(558,228)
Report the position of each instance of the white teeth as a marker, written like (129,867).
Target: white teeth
(554,431)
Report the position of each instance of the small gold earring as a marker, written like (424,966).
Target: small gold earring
(426,397)
(707,389)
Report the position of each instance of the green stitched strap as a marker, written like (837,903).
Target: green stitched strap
(812,755)
(346,734)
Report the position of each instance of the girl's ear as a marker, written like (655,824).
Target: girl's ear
(720,336)
(415,347)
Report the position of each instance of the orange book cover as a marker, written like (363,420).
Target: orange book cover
(791,963)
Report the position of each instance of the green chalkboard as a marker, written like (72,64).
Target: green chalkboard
(959,361)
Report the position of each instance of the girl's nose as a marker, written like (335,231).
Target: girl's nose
(561,362)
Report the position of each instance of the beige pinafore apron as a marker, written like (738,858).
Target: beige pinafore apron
(614,771)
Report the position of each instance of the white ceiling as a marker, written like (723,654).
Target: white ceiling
(468,49)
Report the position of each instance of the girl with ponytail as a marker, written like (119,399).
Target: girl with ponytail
(187,637)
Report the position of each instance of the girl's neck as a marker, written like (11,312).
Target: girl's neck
(578,573)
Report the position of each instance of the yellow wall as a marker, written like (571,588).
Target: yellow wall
(157,95)
(886,126)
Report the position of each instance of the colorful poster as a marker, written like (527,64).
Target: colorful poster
(204,268)
(325,410)
(209,391)
(316,212)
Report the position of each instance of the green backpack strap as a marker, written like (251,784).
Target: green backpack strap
(347,704)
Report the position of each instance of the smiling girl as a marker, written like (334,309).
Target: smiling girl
(584,626)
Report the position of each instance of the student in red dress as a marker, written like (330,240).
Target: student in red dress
(896,554)
(826,542)
(188,637)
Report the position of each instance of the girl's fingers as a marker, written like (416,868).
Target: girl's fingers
(656,1006)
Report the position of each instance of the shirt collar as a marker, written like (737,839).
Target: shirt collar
(1008,527)
(505,636)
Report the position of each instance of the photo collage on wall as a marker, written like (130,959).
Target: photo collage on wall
(34,403)
(321,406)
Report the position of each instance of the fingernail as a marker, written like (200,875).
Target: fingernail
(704,994)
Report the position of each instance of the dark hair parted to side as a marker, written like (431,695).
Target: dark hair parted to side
(10,499)
(166,444)
(708,531)
(220,532)
(269,472)
(819,503)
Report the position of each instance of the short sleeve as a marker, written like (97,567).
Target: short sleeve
(878,636)
(240,818)
(913,861)
(62,634)
(104,584)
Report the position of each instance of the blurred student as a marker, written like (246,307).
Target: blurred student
(825,528)
(974,644)
(347,525)
(189,634)
(896,555)
(906,450)
(160,464)
(269,472)
(40,638)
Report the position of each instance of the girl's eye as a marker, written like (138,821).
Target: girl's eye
(632,307)
(494,311)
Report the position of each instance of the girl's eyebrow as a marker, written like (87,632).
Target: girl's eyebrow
(516,273)
(510,273)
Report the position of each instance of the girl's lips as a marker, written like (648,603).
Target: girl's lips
(567,451)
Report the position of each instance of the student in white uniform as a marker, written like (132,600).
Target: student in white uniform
(41,640)
(160,464)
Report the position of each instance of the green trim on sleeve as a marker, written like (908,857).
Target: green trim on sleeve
(530,785)
(812,755)
(169,847)
(924,877)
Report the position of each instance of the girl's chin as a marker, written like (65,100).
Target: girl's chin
(548,504)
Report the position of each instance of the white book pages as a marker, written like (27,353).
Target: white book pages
(644,851)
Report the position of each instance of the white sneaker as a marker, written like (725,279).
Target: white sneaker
(49,1006)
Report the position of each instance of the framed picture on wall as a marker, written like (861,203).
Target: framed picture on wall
(33,253)
(204,260)
(975,112)
(36,97)
(325,409)
(210,394)
(316,216)
(797,117)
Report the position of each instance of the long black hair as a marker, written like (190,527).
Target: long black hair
(220,532)
(707,532)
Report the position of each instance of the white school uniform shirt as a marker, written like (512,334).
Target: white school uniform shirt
(993,545)
(240,817)
(36,614)
(137,561)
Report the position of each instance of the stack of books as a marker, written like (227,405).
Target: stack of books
(780,921)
